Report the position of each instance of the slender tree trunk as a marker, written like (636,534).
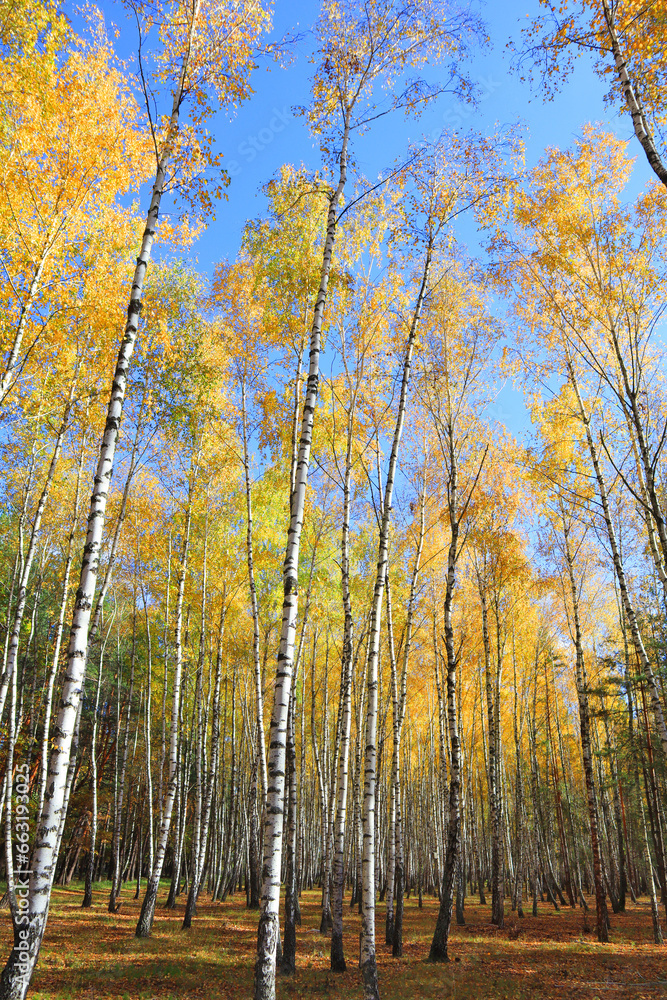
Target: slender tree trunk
(628,608)
(655,915)
(268,927)
(259,696)
(18,971)
(288,963)
(210,783)
(439,945)
(148,722)
(114,905)
(55,661)
(325,922)
(337,951)
(199,743)
(497,914)
(90,868)
(253,838)
(584,717)
(367,951)
(147,915)
(639,124)
(400,698)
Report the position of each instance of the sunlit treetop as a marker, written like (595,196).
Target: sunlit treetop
(219,39)
(361,45)
(31,30)
(568,30)
(626,41)
(205,58)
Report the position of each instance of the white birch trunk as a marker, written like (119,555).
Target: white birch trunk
(147,915)
(90,868)
(210,783)
(58,637)
(367,950)
(628,607)
(259,697)
(391,833)
(497,917)
(337,952)
(148,725)
(114,906)
(18,971)
(584,718)
(401,701)
(639,124)
(268,928)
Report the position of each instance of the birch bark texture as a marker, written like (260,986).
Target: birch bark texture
(640,125)
(337,951)
(627,43)
(602,921)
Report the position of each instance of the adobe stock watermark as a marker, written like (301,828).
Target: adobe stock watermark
(459,114)
(456,116)
(23,873)
(256,143)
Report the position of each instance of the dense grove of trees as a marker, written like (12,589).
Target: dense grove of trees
(458,684)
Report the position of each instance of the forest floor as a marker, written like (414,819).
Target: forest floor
(93,954)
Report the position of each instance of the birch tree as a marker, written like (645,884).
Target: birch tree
(191,64)
(627,41)
(452,388)
(359,47)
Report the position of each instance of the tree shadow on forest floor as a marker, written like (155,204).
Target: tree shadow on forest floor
(92,953)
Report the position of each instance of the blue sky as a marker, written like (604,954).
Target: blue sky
(266,133)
